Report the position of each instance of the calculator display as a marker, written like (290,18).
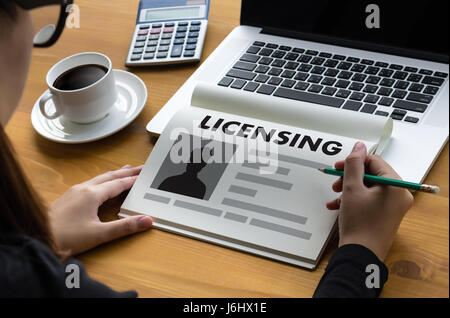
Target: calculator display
(173,13)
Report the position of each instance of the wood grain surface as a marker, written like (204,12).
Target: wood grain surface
(159,264)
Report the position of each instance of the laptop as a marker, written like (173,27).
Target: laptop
(380,58)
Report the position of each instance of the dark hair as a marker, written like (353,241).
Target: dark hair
(8,8)
(21,211)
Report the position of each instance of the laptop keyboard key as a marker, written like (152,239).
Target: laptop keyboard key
(262,69)
(251,87)
(357,96)
(370,89)
(288,74)
(386,72)
(318,70)
(432,90)
(435,81)
(317,61)
(288,83)
(369,109)
(331,72)
(416,88)
(359,77)
(266,89)
(312,52)
(266,52)
(399,94)
(401,85)
(414,78)
(275,81)
(329,81)
(309,97)
(386,101)
(278,54)
(372,99)
(345,75)
(244,66)
(330,91)
(301,86)
(373,80)
(400,75)
(387,82)
(292,56)
(253,50)
(385,91)
(412,106)
(278,63)
(344,66)
(259,43)
(238,84)
(250,58)
(225,82)
(367,62)
(441,74)
(421,98)
(262,78)
(352,105)
(342,84)
(331,63)
(356,86)
(291,65)
(315,88)
(413,120)
(425,72)
(315,79)
(301,76)
(343,93)
(305,58)
(241,74)
(265,61)
(382,113)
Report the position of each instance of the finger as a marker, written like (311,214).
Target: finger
(111,175)
(126,167)
(112,189)
(337,185)
(339,165)
(334,205)
(378,167)
(354,168)
(120,228)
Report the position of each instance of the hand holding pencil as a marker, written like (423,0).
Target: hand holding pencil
(368,216)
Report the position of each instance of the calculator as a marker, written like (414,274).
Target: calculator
(168,32)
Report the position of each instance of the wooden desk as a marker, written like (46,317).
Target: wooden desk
(159,264)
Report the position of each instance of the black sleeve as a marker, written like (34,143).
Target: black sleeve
(31,269)
(352,273)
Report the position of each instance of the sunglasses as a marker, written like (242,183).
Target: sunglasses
(49,18)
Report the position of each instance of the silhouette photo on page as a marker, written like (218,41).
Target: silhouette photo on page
(187,183)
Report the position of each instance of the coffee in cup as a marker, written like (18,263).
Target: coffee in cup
(82,88)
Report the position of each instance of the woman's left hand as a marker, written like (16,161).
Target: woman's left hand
(74,219)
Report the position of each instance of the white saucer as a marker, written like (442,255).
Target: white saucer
(132,98)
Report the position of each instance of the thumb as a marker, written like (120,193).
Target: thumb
(130,225)
(354,167)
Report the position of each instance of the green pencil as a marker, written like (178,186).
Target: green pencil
(386,181)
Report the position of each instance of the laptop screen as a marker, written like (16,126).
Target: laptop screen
(410,28)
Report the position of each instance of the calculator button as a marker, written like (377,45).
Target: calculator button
(166,36)
(191,41)
(136,57)
(139,44)
(183,24)
(194,29)
(191,47)
(155,31)
(154,37)
(180,35)
(144,27)
(162,55)
(149,56)
(196,23)
(193,35)
(163,49)
(178,41)
(182,29)
(138,51)
(176,51)
(152,43)
(143,32)
(157,26)
(168,30)
(150,49)
(165,42)
(189,53)
(141,38)
(169,25)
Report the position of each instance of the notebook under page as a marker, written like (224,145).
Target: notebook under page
(241,170)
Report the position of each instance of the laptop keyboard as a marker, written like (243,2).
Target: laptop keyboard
(362,85)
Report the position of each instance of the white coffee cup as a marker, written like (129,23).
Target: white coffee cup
(85,105)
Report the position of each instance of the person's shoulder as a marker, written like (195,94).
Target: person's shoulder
(29,268)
